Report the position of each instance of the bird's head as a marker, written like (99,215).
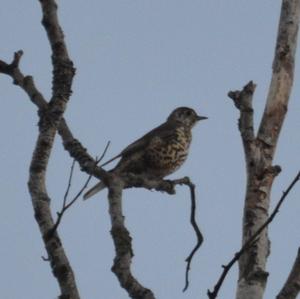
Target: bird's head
(185,116)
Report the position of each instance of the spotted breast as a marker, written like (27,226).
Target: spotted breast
(164,156)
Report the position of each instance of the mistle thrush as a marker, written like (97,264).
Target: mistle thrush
(158,153)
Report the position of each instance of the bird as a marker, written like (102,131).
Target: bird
(158,153)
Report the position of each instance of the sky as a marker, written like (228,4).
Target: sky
(136,61)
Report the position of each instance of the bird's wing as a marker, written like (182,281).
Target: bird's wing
(164,131)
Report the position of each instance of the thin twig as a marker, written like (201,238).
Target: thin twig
(197,231)
(69,184)
(104,153)
(66,205)
(45,259)
(251,241)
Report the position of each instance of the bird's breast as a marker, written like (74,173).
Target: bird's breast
(168,155)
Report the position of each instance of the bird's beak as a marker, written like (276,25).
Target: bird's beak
(201,117)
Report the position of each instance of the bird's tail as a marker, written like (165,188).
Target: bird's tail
(95,189)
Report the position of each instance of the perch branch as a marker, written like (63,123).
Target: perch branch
(139,181)
(291,287)
(251,241)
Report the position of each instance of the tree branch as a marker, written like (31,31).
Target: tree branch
(197,231)
(49,119)
(291,287)
(66,205)
(26,83)
(122,241)
(168,186)
(243,101)
(251,241)
(260,150)
(283,74)
(72,145)
(63,70)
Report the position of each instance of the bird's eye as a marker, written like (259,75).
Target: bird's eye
(188,113)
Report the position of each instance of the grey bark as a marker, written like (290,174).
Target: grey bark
(49,118)
(63,73)
(260,149)
(122,241)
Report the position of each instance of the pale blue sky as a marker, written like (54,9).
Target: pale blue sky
(136,61)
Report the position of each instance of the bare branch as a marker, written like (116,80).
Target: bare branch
(72,145)
(49,120)
(197,231)
(139,181)
(40,199)
(122,241)
(66,205)
(259,154)
(63,70)
(283,74)
(251,241)
(26,83)
(98,160)
(291,287)
(168,186)
(243,101)
(8,69)
(69,184)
